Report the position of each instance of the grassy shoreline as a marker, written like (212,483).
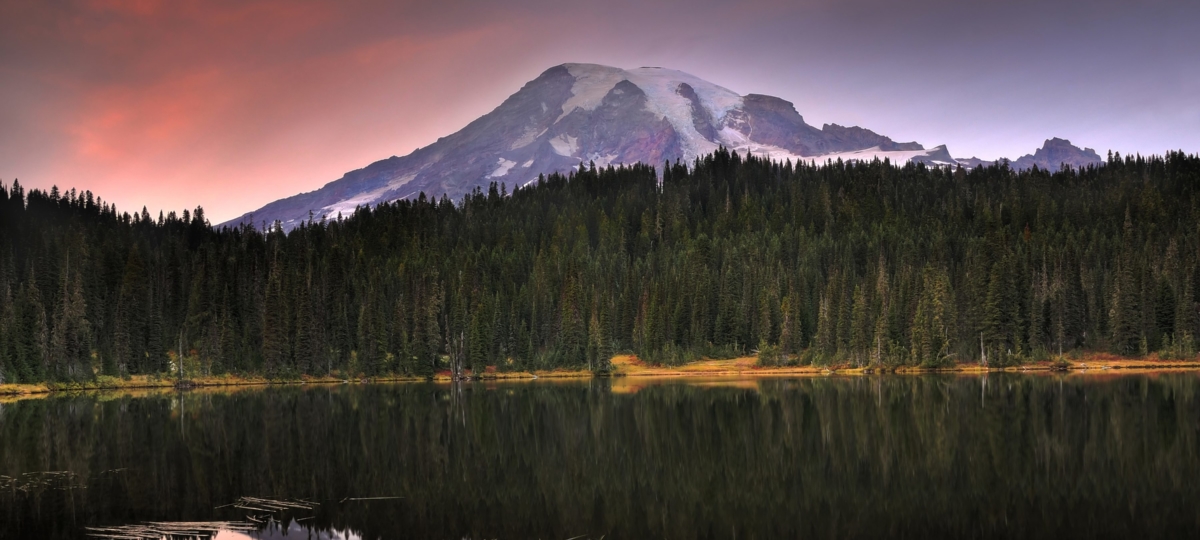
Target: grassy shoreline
(624,366)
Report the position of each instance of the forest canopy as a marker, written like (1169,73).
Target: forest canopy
(868,264)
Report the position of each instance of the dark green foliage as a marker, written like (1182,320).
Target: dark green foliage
(863,263)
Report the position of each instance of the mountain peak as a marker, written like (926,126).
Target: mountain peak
(1055,153)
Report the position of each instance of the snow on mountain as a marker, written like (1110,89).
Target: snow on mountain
(973,162)
(936,156)
(576,113)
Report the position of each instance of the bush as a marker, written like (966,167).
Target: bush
(770,355)
(1183,348)
(107,381)
(939,362)
(671,355)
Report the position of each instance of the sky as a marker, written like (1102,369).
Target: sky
(231,104)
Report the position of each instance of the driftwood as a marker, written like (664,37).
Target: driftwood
(169,530)
(269,506)
(34,481)
(205,530)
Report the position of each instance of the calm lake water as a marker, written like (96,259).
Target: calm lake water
(1002,456)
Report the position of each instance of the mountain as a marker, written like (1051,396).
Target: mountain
(576,113)
(1058,152)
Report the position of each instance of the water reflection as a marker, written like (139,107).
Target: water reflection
(972,457)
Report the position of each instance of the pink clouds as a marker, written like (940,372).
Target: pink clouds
(233,108)
(231,104)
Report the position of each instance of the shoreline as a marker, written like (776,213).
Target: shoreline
(625,366)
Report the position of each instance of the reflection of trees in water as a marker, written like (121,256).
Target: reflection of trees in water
(865,457)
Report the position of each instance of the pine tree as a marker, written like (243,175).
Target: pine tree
(1164,307)
(432,329)
(1125,313)
(998,320)
(31,334)
(274,326)
(598,352)
(7,325)
(1185,331)
(478,339)
(156,359)
(765,324)
(882,334)
(303,343)
(788,333)
(845,328)
(1039,312)
(826,340)
(862,326)
(129,337)
(70,338)
(933,324)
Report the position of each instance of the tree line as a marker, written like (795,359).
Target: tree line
(861,263)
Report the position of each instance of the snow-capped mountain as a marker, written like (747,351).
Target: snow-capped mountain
(576,113)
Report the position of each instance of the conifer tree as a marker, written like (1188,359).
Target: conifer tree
(826,340)
(862,326)
(7,327)
(70,338)
(1125,313)
(274,328)
(32,334)
(882,333)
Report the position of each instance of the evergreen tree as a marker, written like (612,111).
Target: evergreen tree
(1125,313)
(31,336)
(70,338)
(274,326)
(862,326)
(933,324)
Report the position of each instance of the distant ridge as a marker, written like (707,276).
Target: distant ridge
(1053,154)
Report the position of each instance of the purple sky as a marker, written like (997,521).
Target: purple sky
(232,104)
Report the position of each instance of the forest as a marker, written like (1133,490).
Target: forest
(840,263)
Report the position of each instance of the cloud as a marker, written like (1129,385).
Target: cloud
(231,104)
(232,133)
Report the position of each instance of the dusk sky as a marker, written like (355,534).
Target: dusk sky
(233,104)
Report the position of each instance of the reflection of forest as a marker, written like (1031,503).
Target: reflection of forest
(1002,456)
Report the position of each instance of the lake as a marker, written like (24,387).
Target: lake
(996,456)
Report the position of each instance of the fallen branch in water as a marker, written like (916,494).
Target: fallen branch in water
(369,499)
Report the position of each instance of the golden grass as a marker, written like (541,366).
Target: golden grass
(630,374)
(631,366)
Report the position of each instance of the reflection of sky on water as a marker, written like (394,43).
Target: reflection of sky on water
(1006,456)
(293,530)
